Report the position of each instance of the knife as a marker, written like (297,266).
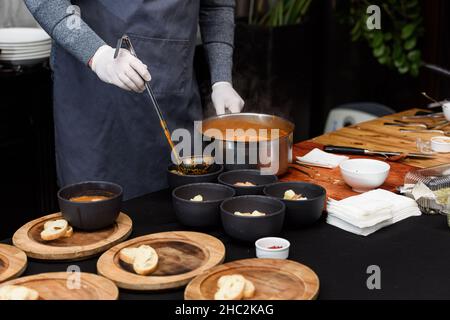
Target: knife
(400,123)
(421,125)
(424,116)
(360,151)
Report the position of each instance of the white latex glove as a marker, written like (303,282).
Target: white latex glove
(225,97)
(126,71)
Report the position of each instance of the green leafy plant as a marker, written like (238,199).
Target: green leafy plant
(396,43)
(279,12)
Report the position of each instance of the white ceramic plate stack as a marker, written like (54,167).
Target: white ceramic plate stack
(24,45)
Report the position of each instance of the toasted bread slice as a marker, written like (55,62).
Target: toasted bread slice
(54,229)
(255,213)
(128,255)
(12,292)
(197,198)
(231,287)
(69,232)
(245,184)
(249,289)
(146,260)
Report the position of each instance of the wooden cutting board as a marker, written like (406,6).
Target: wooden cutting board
(64,286)
(375,135)
(13,262)
(273,280)
(182,256)
(80,245)
(331,179)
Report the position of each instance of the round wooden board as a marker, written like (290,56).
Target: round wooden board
(182,255)
(63,286)
(273,280)
(13,262)
(80,245)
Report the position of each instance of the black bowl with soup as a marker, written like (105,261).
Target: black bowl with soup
(248,218)
(90,205)
(304,201)
(198,204)
(247,181)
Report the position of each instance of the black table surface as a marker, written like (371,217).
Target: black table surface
(413,255)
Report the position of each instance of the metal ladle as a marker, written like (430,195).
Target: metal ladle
(189,165)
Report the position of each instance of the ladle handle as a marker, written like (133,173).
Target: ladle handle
(149,90)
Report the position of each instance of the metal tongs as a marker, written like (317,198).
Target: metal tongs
(185,166)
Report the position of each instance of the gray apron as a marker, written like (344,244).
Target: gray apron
(106,133)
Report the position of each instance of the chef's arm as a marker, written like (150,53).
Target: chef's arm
(56,18)
(68,30)
(217,31)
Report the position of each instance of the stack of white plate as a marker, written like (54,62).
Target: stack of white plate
(24,45)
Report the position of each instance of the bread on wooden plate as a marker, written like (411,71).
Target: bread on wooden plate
(69,232)
(249,289)
(144,259)
(234,287)
(54,229)
(127,255)
(12,292)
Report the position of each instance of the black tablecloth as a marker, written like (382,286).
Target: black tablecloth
(413,255)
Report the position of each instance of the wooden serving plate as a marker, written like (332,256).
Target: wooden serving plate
(80,245)
(63,286)
(13,262)
(182,256)
(273,280)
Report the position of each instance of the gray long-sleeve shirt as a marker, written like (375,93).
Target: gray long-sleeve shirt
(216,19)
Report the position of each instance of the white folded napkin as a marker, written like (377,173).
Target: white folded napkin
(341,224)
(359,216)
(319,158)
(368,212)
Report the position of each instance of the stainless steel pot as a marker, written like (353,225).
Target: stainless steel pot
(274,155)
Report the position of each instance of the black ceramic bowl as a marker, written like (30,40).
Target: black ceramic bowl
(229,178)
(176,180)
(299,213)
(200,213)
(91,215)
(252,228)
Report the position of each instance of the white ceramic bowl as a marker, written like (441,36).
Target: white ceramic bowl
(262,248)
(364,174)
(440,144)
(446,110)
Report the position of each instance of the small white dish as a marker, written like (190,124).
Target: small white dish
(440,144)
(446,110)
(364,174)
(263,249)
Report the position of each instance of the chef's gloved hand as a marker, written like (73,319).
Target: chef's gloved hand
(126,71)
(225,97)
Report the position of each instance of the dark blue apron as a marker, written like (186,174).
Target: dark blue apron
(106,133)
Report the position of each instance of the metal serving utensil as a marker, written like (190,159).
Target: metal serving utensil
(434,103)
(424,116)
(188,165)
(400,123)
